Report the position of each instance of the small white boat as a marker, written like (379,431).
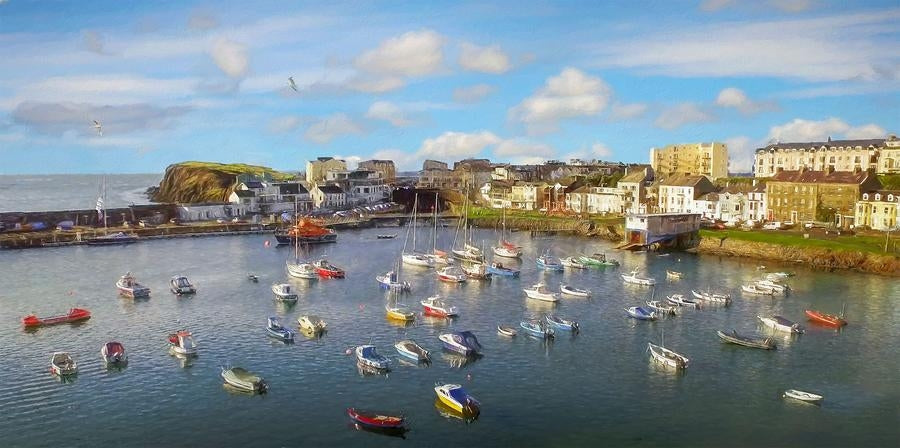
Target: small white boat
(757,289)
(504,330)
(62,364)
(674,274)
(451,274)
(572,263)
(302,270)
(803,396)
(242,379)
(667,357)
(410,349)
(774,286)
(434,306)
(182,343)
(507,252)
(781,324)
(539,291)
(180,285)
(420,260)
(113,353)
(661,308)
(311,323)
(681,300)
(711,296)
(284,292)
(635,279)
(129,287)
(573,291)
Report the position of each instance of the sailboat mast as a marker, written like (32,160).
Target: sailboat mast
(434,230)
(104,204)
(296,233)
(415,208)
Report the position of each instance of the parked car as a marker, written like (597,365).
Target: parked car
(220,220)
(774,225)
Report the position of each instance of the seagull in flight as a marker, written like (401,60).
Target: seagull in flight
(292,83)
(98,127)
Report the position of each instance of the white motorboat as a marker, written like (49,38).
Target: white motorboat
(410,349)
(311,323)
(242,379)
(435,306)
(667,357)
(284,292)
(681,300)
(129,287)
(757,289)
(573,291)
(62,364)
(182,343)
(451,274)
(661,308)
(808,397)
(113,353)
(635,279)
(302,270)
(781,324)
(711,296)
(540,291)
(779,288)
(180,285)
(572,263)
(420,260)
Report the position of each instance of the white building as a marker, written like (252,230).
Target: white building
(244,202)
(329,196)
(677,194)
(756,203)
(594,200)
(633,189)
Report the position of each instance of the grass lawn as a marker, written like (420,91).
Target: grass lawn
(483,212)
(238,168)
(856,243)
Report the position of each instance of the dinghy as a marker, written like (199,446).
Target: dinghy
(573,291)
(667,357)
(275,330)
(781,324)
(635,279)
(284,292)
(368,356)
(802,396)
(681,300)
(640,313)
(311,323)
(411,350)
(62,364)
(774,286)
(434,306)
(757,289)
(561,323)
(536,328)
(711,296)
(462,342)
(499,269)
(113,353)
(375,420)
(597,260)
(74,315)
(180,285)
(549,263)
(455,397)
(182,343)
(507,331)
(826,319)
(661,308)
(539,291)
(573,263)
(735,338)
(129,287)
(240,378)
(451,274)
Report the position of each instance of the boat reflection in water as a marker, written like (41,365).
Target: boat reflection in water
(239,392)
(391,432)
(186,361)
(435,322)
(450,413)
(458,361)
(365,370)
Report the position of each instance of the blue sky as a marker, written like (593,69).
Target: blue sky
(512,81)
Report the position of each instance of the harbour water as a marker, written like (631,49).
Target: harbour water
(597,388)
(47,192)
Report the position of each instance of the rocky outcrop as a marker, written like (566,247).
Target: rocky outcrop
(194,182)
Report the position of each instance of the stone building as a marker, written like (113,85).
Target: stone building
(823,196)
(385,167)
(317,170)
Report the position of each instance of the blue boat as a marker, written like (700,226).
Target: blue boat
(368,357)
(641,313)
(499,269)
(462,342)
(561,323)
(275,330)
(536,328)
(549,262)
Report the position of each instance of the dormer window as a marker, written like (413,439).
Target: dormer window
(877,197)
(890,198)
(865,196)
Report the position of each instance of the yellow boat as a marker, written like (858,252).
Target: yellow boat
(399,313)
(455,398)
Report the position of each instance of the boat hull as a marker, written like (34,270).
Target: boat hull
(321,239)
(74,315)
(825,319)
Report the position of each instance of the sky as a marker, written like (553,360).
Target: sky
(517,81)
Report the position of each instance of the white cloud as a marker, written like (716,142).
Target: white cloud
(866,131)
(740,154)
(472,94)
(735,98)
(415,53)
(571,93)
(457,144)
(835,48)
(490,59)
(390,112)
(783,5)
(230,57)
(800,130)
(375,85)
(331,127)
(284,124)
(620,111)
(601,150)
(517,147)
(682,114)
(403,160)
(113,89)
(61,118)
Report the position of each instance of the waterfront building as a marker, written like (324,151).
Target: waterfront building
(440,178)
(691,159)
(823,196)
(554,194)
(879,154)
(497,193)
(728,204)
(878,210)
(206,211)
(594,200)
(633,188)
(385,167)
(316,170)
(756,203)
(667,230)
(245,203)
(328,196)
(280,197)
(678,194)
(526,196)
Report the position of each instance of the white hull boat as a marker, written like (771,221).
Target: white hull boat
(780,324)
(803,396)
(635,279)
(661,308)
(573,291)
(758,290)
(113,353)
(62,364)
(284,292)
(680,300)
(572,263)
(302,270)
(507,252)
(182,343)
(129,287)
(711,297)
(774,286)
(667,357)
(540,292)
(419,260)
(242,379)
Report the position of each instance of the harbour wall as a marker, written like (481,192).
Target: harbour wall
(611,231)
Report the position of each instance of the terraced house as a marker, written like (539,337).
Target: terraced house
(879,154)
(878,209)
(823,196)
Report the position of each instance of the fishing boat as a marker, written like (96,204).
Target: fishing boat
(182,343)
(709,296)
(462,342)
(284,292)
(399,312)
(808,397)
(779,288)
(311,323)
(375,420)
(306,231)
(62,364)
(667,357)
(757,289)
(325,269)
(735,338)
(504,248)
(507,331)
(74,315)
(826,319)
(434,306)
(117,238)
(129,287)
(681,300)
(572,263)
(414,258)
(661,308)
(411,350)
(368,356)
(240,378)
(597,260)
(253,278)
(570,290)
(476,271)
(539,291)
(674,274)
(781,324)
(275,330)
(456,398)
(390,281)
(536,328)
(635,279)
(641,313)
(113,353)
(451,274)
(498,269)
(180,285)
(386,236)
(561,323)
(549,262)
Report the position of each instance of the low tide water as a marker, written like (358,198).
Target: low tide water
(597,388)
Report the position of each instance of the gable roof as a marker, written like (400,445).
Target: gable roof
(683,181)
(876,142)
(254,184)
(244,194)
(809,176)
(330,189)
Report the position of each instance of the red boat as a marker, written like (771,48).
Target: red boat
(328,270)
(374,419)
(825,318)
(74,315)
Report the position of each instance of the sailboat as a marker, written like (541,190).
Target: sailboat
(437,256)
(106,239)
(505,248)
(414,258)
(468,251)
(391,281)
(298,269)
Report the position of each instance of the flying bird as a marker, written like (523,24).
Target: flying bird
(98,127)
(292,83)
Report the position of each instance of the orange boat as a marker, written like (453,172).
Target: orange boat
(74,315)
(826,319)
(307,230)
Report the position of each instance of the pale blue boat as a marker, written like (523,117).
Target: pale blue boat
(275,330)
(549,262)
(536,328)
(369,357)
(462,342)
(499,269)
(641,313)
(562,323)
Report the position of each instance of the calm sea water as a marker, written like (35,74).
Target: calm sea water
(597,388)
(46,192)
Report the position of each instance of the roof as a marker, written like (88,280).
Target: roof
(683,181)
(254,184)
(290,188)
(636,175)
(245,193)
(713,197)
(877,142)
(809,176)
(884,194)
(330,189)
(582,189)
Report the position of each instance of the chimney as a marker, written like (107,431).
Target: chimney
(829,138)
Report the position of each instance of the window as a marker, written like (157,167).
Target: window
(865,196)
(877,196)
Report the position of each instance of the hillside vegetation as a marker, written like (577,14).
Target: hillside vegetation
(195,182)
